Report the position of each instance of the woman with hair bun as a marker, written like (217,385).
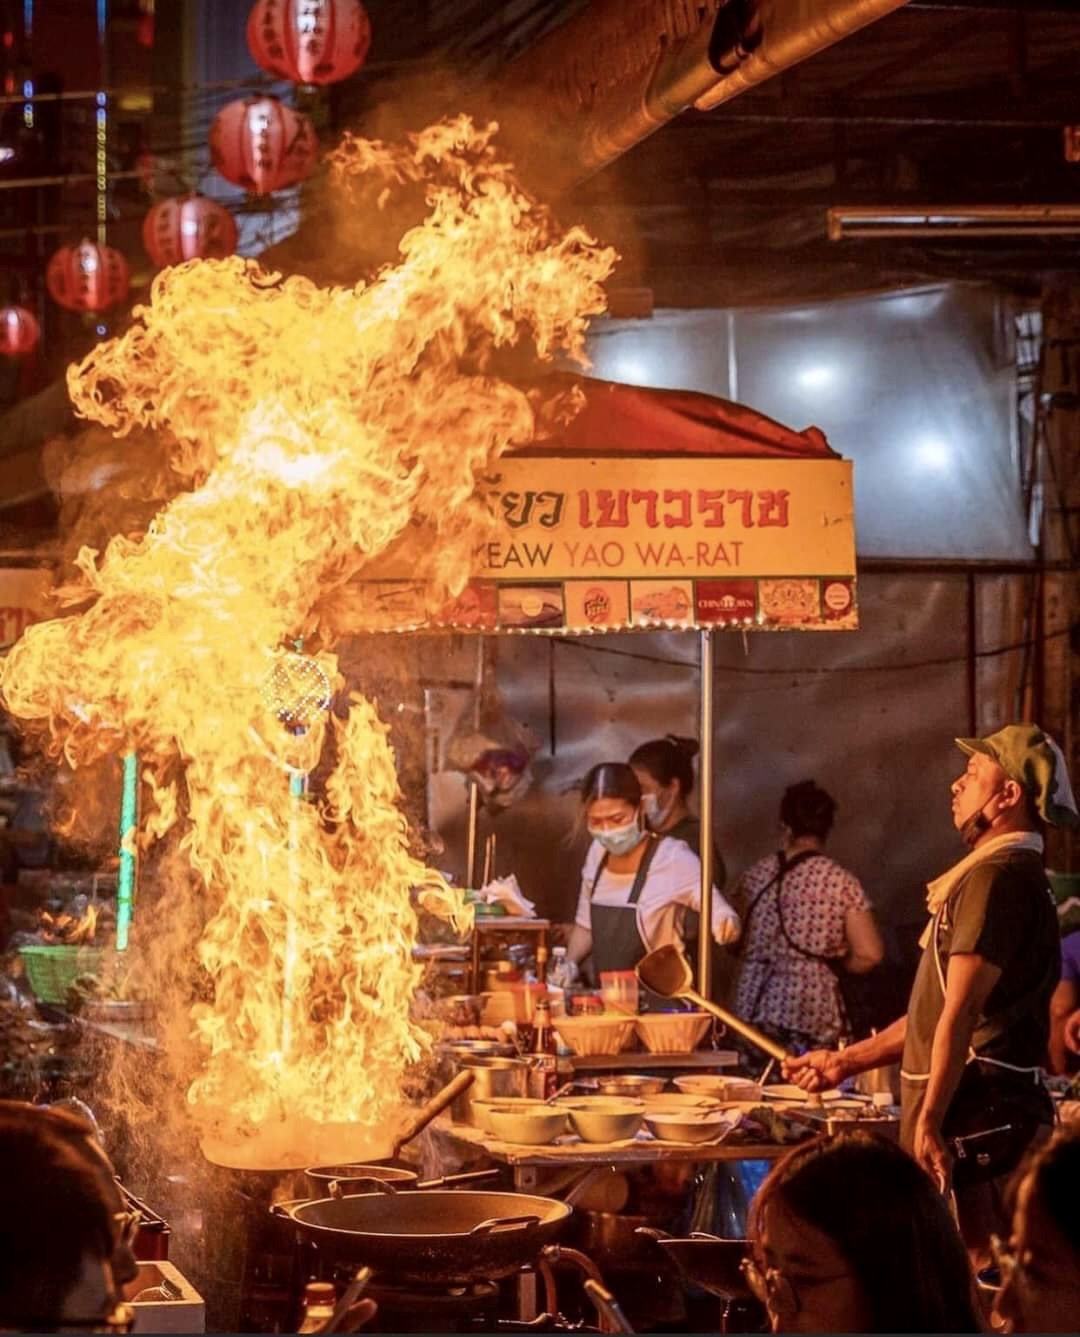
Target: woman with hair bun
(665,770)
(806,919)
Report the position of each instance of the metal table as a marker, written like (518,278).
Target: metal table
(527,1163)
(705,1059)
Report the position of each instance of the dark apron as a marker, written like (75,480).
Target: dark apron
(616,942)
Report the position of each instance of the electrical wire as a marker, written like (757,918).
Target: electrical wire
(824,670)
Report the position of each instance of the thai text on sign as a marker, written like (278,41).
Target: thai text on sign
(564,518)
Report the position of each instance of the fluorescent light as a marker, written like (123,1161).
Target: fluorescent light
(933,454)
(815,378)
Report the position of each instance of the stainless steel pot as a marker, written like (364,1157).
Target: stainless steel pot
(492,1078)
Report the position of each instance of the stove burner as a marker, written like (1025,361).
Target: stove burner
(466,1308)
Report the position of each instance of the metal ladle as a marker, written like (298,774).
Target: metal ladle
(667,972)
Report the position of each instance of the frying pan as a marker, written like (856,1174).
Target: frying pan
(431,1237)
(667,972)
(707,1260)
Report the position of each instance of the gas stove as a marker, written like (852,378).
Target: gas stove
(471,1307)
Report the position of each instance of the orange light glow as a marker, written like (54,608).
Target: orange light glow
(306,429)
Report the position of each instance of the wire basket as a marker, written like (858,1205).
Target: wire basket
(53,970)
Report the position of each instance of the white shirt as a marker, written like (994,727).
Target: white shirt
(673,886)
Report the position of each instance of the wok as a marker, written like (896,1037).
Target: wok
(431,1237)
(708,1261)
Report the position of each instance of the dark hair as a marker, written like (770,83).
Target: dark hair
(888,1219)
(807,810)
(53,1209)
(1055,1179)
(611,779)
(666,759)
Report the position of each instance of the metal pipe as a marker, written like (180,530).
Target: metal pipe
(668,58)
(705,774)
(472,835)
(943,220)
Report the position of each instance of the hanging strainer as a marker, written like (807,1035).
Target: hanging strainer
(297,690)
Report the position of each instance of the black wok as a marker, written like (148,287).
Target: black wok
(708,1261)
(431,1237)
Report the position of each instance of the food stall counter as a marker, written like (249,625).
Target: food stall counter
(704,1059)
(527,1162)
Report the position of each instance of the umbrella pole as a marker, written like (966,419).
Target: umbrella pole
(705,771)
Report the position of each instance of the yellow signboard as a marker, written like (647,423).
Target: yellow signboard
(618,542)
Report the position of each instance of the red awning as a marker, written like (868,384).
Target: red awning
(631,419)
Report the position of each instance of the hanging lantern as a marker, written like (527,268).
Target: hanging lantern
(87,277)
(262,145)
(309,41)
(189,227)
(19,331)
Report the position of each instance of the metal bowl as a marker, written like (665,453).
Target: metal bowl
(635,1085)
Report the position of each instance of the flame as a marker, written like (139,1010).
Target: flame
(306,430)
(65,928)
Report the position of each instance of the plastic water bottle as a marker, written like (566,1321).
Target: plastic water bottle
(562,973)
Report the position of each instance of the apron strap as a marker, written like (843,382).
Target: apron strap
(639,877)
(643,869)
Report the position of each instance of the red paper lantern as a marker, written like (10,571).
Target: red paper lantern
(87,277)
(189,227)
(262,145)
(19,331)
(309,41)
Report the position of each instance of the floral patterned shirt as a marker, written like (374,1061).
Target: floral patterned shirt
(780,989)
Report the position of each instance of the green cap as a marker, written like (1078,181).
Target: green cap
(1030,756)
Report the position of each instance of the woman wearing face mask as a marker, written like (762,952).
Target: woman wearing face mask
(636,886)
(848,1234)
(665,770)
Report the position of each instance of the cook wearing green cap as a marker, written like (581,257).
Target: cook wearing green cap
(973,1040)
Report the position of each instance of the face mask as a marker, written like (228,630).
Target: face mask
(621,840)
(655,815)
(977,823)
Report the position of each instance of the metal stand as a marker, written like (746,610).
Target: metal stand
(705,771)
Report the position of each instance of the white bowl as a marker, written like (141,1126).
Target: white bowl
(530,1128)
(508,1104)
(708,1126)
(601,1034)
(720,1088)
(672,1032)
(607,1119)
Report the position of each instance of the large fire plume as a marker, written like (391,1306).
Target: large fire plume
(304,429)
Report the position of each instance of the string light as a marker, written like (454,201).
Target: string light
(102,165)
(28,84)
(101,162)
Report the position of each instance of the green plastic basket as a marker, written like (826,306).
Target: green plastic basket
(53,970)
